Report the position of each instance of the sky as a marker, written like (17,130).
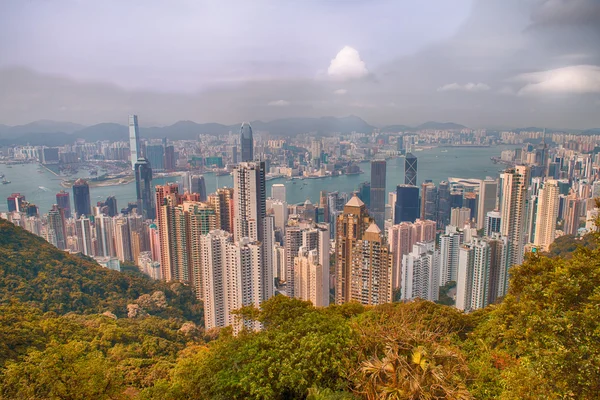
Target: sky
(482,63)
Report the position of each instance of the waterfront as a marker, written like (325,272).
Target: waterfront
(41,187)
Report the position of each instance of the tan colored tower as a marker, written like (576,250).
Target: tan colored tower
(547,213)
(514,192)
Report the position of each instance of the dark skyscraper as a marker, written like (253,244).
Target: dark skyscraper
(15,202)
(56,227)
(246,142)
(443,217)
(63,200)
(429,201)
(169,158)
(410,170)
(198,186)
(111,205)
(407,204)
(378,176)
(155,154)
(81,198)
(144,189)
(364,193)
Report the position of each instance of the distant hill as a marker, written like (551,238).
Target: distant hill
(34,272)
(397,128)
(440,125)
(594,131)
(42,126)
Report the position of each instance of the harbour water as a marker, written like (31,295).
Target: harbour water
(40,186)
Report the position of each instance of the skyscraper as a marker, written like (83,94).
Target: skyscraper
(410,170)
(83,228)
(170,161)
(198,185)
(378,177)
(16,202)
(56,227)
(63,200)
(449,249)
(278,191)
(222,203)
(572,213)
(444,206)
(250,218)
(514,193)
(488,193)
(364,193)
(81,198)
(547,214)
(420,272)
(134,140)
(144,189)
(492,223)
(429,201)
(246,142)
(155,154)
(407,204)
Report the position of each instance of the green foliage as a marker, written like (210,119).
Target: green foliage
(444,297)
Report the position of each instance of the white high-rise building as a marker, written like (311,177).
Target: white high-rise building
(449,246)
(459,216)
(420,272)
(105,236)
(308,277)
(250,218)
(547,214)
(492,223)
(83,229)
(278,192)
(134,140)
(514,194)
(488,193)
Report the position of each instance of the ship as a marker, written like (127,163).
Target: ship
(5,182)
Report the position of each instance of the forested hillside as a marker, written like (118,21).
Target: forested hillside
(541,342)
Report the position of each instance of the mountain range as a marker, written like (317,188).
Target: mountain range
(54,133)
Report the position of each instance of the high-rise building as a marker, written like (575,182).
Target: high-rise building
(63,200)
(514,193)
(250,218)
(444,205)
(122,239)
(364,193)
(459,216)
(377,206)
(170,160)
(198,185)
(410,170)
(492,223)
(547,214)
(134,140)
(144,189)
(81,198)
(573,211)
(155,154)
(246,142)
(449,248)
(429,201)
(167,195)
(83,228)
(222,203)
(105,236)
(488,193)
(109,207)
(278,191)
(56,227)
(371,273)
(16,202)
(308,277)
(420,272)
(407,204)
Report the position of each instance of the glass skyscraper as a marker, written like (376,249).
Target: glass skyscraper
(155,154)
(407,204)
(410,170)
(81,198)
(134,140)
(377,206)
(246,142)
(144,189)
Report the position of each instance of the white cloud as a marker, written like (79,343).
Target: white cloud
(576,79)
(340,91)
(279,103)
(469,87)
(347,65)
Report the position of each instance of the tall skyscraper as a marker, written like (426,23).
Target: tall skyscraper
(81,198)
(170,161)
(250,218)
(420,272)
(83,228)
(547,214)
(459,216)
(155,154)
(410,170)
(144,189)
(105,236)
(378,177)
(308,279)
(514,192)
(16,202)
(222,203)
(246,142)
(449,249)
(444,206)
(198,185)
(429,201)
(134,140)
(407,204)
(63,200)
(572,213)
(488,193)
(56,227)
(492,223)
(278,191)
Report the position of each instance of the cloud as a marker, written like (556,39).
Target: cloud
(279,103)
(340,91)
(576,79)
(347,65)
(566,12)
(469,87)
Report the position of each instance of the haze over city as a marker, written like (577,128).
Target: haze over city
(494,64)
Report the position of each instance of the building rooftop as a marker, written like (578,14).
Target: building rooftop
(373,228)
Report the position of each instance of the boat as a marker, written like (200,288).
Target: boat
(444,151)
(5,182)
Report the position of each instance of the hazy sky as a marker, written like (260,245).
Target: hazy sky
(496,63)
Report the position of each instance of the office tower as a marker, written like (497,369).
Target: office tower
(473,276)
(470,202)
(364,193)
(144,189)
(134,140)
(350,228)
(547,214)
(497,272)
(278,191)
(401,238)
(170,160)
(492,223)
(378,177)
(105,236)
(16,202)
(63,200)
(111,206)
(514,193)
(444,207)
(232,276)
(83,228)
(460,216)
(56,227)
(407,204)
(81,198)
(410,170)
(429,201)
(316,149)
(488,193)
(420,272)
(456,198)
(308,277)
(199,220)
(222,203)
(573,210)
(323,204)
(246,143)
(167,196)
(449,247)
(280,214)
(155,154)
(198,185)
(371,274)
(122,239)
(292,244)
(250,219)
